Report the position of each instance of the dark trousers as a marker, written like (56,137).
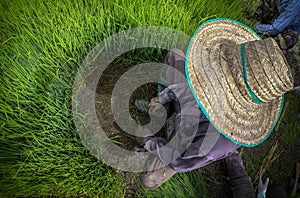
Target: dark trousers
(242,187)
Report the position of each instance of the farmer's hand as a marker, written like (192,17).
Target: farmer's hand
(154,104)
(262,188)
(156,108)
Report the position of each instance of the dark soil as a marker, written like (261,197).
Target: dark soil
(106,118)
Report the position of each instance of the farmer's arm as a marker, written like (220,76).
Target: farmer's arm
(164,97)
(183,132)
(204,150)
(282,21)
(167,95)
(191,146)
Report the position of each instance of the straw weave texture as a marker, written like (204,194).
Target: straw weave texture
(215,71)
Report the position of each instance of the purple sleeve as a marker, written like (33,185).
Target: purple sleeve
(207,146)
(223,148)
(167,95)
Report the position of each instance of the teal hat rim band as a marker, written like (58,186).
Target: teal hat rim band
(198,101)
(251,93)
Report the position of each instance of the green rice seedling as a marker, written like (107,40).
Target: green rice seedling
(276,158)
(290,125)
(43,44)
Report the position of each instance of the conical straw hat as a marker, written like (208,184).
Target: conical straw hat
(238,79)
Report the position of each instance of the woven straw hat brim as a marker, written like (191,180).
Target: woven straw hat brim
(267,82)
(216,79)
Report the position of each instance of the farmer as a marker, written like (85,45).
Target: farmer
(287,16)
(238,81)
(286,23)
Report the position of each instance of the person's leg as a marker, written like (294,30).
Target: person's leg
(242,187)
(239,182)
(276,192)
(158,173)
(175,70)
(173,73)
